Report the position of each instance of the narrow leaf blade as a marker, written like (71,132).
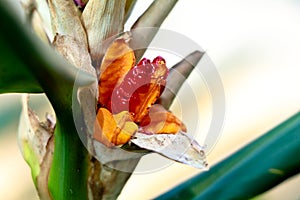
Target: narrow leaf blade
(251,168)
(152,17)
(177,76)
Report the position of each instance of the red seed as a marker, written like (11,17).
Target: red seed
(139,85)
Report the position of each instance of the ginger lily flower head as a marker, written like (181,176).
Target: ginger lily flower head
(127,96)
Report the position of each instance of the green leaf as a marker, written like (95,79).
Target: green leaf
(26,59)
(154,16)
(177,76)
(14,76)
(256,168)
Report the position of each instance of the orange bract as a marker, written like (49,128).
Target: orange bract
(118,60)
(113,129)
(146,99)
(159,120)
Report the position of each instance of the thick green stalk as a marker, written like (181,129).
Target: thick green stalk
(256,168)
(69,171)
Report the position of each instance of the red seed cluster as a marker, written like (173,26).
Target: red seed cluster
(143,80)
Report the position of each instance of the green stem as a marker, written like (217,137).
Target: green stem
(256,168)
(69,171)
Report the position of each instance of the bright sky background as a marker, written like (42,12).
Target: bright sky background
(254,45)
